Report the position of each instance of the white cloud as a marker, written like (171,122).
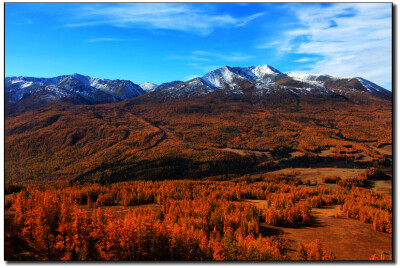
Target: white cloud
(170,16)
(245,20)
(304,59)
(353,39)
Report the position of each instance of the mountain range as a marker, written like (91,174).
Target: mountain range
(82,88)
(233,120)
(253,83)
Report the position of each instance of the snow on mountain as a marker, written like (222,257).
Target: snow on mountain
(123,89)
(371,87)
(232,77)
(24,79)
(261,73)
(22,86)
(18,86)
(261,81)
(230,80)
(221,78)
(130,90)
(320,78)
(252,82)
(191,88)
(94,90)
(169,84)
(148,86)
(17,90)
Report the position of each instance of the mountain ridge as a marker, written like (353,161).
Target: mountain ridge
(259,82)
(92,90)
(254,82)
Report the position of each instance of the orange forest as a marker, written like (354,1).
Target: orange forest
(187,220)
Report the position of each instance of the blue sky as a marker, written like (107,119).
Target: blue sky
(160,42)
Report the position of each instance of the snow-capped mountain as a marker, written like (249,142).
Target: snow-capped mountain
(86,86)
(148,86)
(261,81)
(341,85)
(23,79)
(262,74)
(223,78)
(232,77)
(255,83)
(76,86)
(16,87)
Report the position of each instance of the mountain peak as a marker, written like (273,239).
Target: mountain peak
(148,86)
(266,69)
(222,77)
(80,77)
(231,76)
